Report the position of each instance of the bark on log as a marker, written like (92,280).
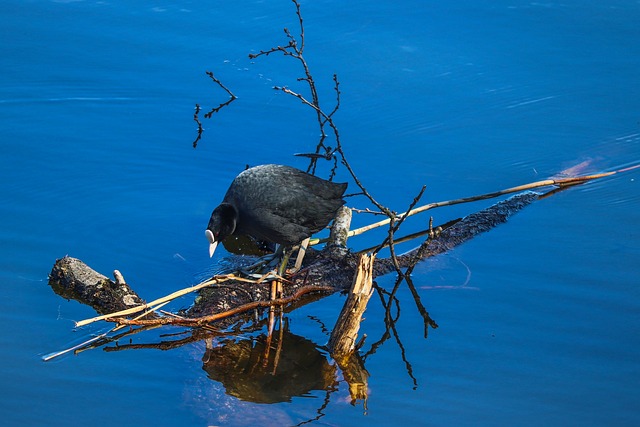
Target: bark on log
(72,279)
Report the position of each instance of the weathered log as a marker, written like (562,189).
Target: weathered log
(327,271)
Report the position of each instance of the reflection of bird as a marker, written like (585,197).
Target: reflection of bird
(247,367)
(276,203)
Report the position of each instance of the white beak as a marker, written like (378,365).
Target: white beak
(212,242)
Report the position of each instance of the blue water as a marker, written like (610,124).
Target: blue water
(539,319)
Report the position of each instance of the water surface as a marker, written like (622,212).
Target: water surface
(538,319)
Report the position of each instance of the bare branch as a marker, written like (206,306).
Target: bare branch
(200,128)
(214,110)
(394,226)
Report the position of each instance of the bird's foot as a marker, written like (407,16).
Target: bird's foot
(264,264)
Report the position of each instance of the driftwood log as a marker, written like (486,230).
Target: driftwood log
(324,272)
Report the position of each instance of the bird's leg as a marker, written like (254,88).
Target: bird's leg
(286,253)
(282,269)
(301,252)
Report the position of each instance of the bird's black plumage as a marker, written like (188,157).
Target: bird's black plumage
(275,203)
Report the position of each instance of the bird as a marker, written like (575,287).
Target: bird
(275,203)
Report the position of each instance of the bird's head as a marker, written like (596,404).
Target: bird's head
(221,225)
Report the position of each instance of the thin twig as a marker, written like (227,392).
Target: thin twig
(200,128)
(436,231)
(295,49)
(428,321)
(393,227)
(232,97)
(96,338)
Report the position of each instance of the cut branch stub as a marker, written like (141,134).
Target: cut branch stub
(342,343)
(345,333)
(340,228)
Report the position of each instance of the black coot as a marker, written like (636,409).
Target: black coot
(275,203)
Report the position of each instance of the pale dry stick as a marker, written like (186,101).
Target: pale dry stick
(529,186)
(78,346)
(152,310)
(170,297)
(98,337)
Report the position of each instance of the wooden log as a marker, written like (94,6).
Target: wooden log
(326,271)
